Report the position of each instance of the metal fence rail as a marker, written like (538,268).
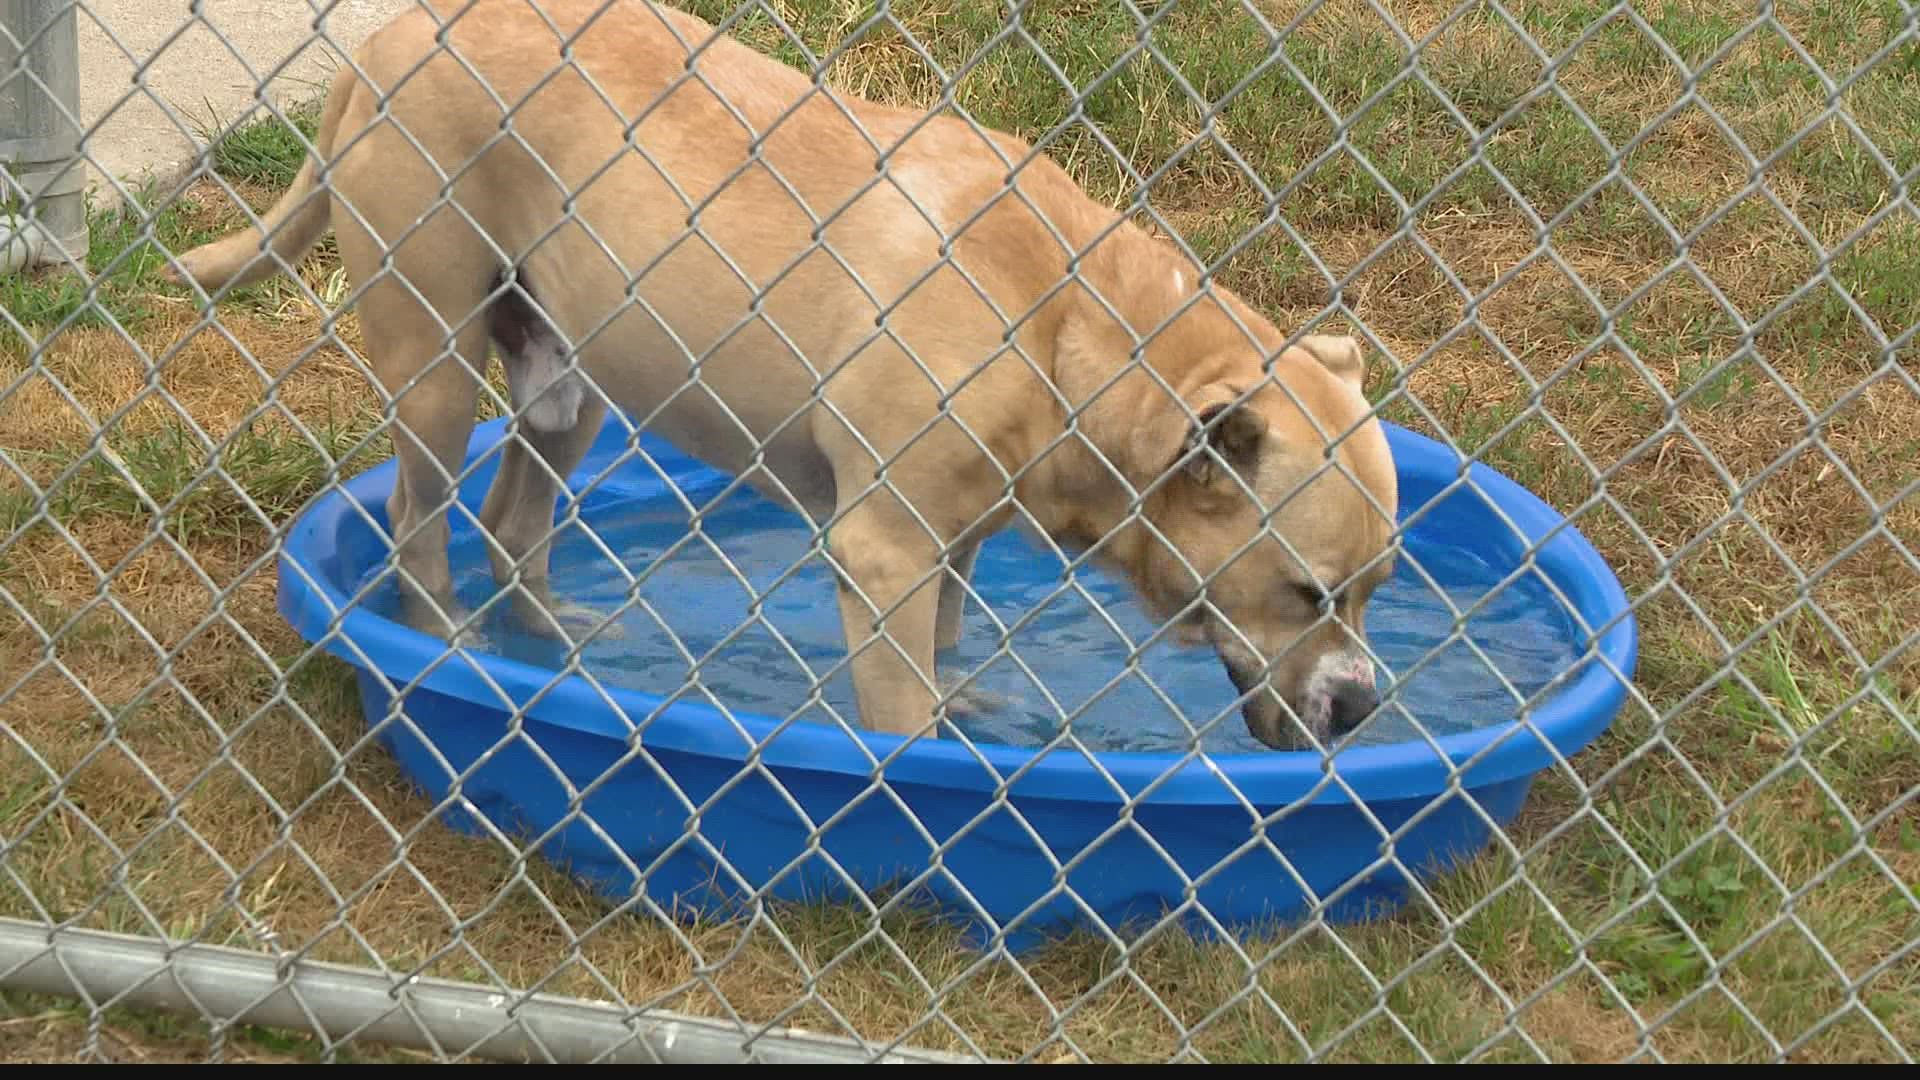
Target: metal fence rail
(200,808)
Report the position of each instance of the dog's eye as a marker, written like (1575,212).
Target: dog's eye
(1313,596)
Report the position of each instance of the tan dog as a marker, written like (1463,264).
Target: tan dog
(755,271)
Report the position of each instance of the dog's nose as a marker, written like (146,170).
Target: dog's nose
(1352,703)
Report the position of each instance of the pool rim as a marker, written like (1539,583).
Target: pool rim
(1575,714)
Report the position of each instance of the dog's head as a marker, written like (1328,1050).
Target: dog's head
(1266,525)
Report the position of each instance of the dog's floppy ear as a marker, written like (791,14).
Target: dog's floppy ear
(1140,422)
(1341,354)
(1233,430)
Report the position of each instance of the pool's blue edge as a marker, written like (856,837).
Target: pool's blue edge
(313,603)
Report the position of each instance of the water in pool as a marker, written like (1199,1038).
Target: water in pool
(704,587)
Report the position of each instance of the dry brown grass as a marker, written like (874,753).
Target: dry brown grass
(155,783)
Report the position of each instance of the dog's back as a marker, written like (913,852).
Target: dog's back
(763,227)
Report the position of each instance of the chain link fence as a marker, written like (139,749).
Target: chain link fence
(1650,262)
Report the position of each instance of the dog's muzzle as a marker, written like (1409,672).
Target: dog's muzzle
(1349,706)
(1340,692)
(1266,717)
(1339,695)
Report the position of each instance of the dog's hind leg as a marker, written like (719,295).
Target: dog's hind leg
(559,419)
(435,420)
(519,515)
(426,338)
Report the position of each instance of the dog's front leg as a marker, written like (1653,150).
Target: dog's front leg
(889,600)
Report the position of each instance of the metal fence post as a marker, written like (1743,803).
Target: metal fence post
(40,131)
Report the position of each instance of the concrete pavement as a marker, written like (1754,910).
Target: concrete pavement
(207,70)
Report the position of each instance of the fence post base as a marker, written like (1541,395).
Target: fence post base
(40,133)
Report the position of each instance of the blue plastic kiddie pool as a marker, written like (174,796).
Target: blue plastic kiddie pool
(692,756)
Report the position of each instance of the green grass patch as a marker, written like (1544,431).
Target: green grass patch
(267,150)
(189,486)
(126,251)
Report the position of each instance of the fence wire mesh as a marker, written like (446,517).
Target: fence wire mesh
(1652,262)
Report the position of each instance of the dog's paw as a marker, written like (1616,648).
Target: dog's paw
(565,620)
(579,620)
(451,622)
(971,700)
(474,639)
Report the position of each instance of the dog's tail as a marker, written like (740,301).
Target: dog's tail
(288,231)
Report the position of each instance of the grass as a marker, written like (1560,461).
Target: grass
(1728,875)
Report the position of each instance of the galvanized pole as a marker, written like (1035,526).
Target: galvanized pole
(225,985)
(45,180)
